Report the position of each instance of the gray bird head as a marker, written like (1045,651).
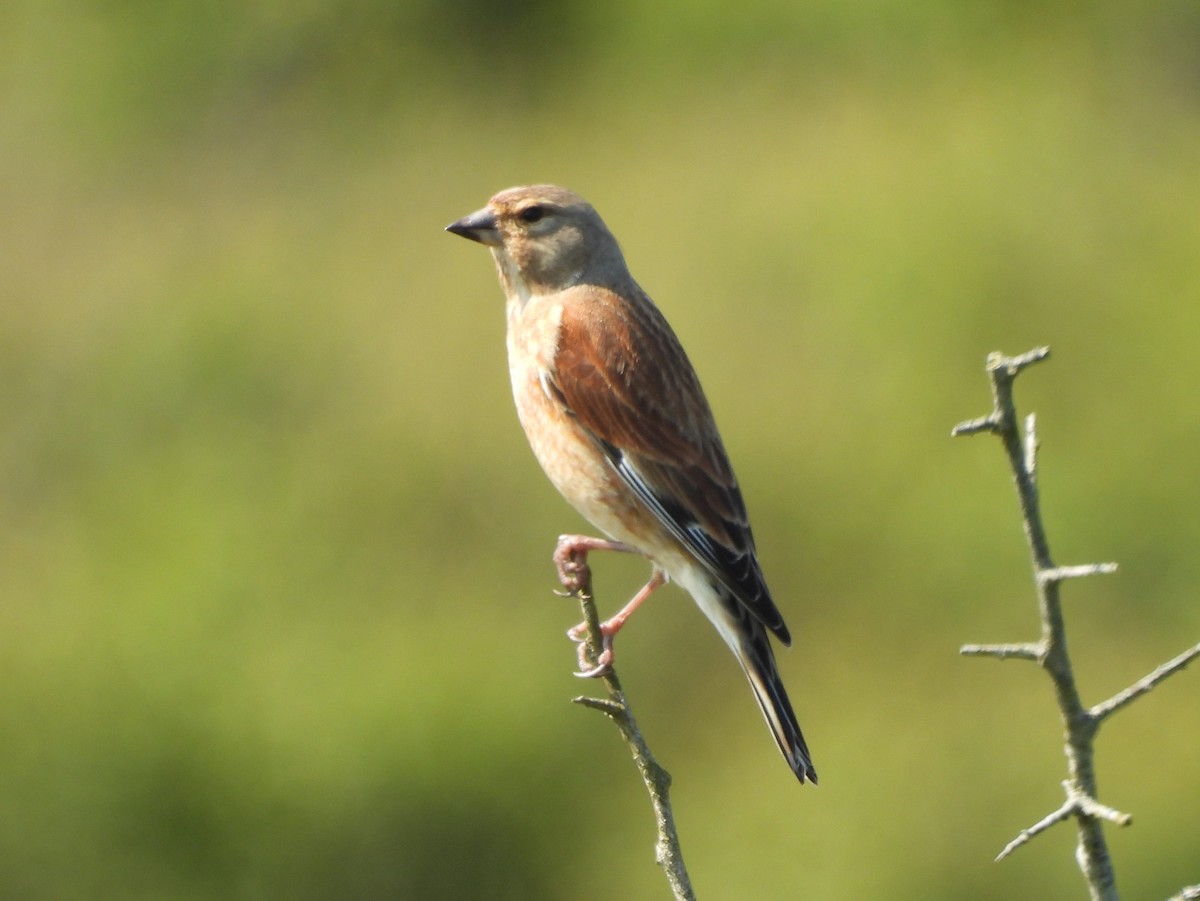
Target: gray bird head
(545,239)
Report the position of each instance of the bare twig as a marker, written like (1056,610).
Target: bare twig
(1080,724)
(1107,708)
(668,852)
(1062,573)
(1075,805)
(1067,809)
(1002,651)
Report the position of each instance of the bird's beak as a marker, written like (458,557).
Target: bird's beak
(479,226)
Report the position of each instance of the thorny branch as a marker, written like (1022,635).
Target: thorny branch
(1080,723)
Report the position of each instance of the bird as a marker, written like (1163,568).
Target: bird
(615,415)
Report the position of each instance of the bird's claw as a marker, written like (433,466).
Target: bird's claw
(602,668)
(602,665)
(571,562)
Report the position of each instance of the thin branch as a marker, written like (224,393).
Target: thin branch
(1002,371)
(1107,708)
(1003,651)
(1051,651)
(1080,724)
(1062,573)
(975,426)
(1014,365)
(1188,893)
(1093,808)
(1064,812)
(667,852)
(1076,805)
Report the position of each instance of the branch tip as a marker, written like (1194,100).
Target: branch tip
(989,423)
(1012,366)
(1105,709)
(1068,807)
(1086,805)
(1023,651)
(1062,573)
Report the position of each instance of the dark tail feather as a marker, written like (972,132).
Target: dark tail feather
(758,662)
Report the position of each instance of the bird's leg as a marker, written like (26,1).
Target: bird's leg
(570,558)
(609,628)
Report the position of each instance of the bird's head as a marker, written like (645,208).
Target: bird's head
(544,239)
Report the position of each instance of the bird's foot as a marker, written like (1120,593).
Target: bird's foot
(608,630)
(602,664)
(570,559)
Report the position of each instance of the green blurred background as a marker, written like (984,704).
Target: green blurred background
(275,594)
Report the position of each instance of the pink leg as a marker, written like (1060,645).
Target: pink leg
(570,557)
(609,628)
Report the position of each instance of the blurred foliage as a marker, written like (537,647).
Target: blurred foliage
(275,610)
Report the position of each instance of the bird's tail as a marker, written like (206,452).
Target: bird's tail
(751,644)
(753,650)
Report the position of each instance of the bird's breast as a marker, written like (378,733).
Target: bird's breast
(570,457)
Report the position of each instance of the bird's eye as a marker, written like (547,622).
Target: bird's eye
(532,213)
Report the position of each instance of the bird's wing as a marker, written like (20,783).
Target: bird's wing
(622,373)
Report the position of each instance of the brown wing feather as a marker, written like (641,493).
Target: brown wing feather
(623,374)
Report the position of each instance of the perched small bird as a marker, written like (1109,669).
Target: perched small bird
(616,417)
